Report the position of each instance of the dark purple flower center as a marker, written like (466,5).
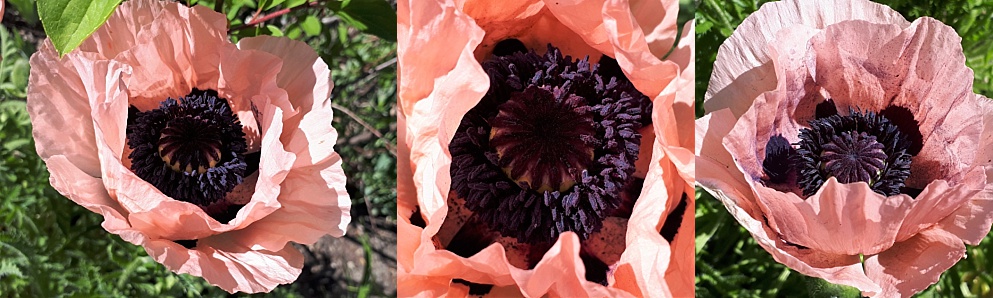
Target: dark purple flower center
(866,147)
(192,149)
(853,156)
(875,148)
(543,138)
(551,146)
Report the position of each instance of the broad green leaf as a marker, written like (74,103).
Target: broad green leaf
(269,4)
(311,25)
(273,30)
(68,22)
(376,17)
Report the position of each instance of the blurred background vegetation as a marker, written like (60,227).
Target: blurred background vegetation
(729,262)
(51,247)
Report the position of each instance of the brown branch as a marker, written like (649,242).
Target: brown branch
(387,143)
(259,20)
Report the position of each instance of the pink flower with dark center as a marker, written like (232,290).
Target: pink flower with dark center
(849,143)
(212,156)
(540,152)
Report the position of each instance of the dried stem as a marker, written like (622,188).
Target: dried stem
(386,142)
(259,20)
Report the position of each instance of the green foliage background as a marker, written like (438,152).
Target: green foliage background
(51,247)
(729,262)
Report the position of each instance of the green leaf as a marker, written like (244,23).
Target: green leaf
(68,22)
(311,26)
(376,17)
(269,4)
(273,30)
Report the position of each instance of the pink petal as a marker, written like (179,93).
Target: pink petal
(229,266)
(745,71)
(169,60)
(314,203)
(58,105)
(921,68)
(306,133)
(684,106)
(913,265)
(839,269)
(658,22)
(845,219)
(683,257)
(645,70)
(438,115)
(89,192)
(536,25)
(938,201)
(561,273)
(132,18)
(715,167)
(647,255)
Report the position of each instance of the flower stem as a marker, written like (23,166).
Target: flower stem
(259,20)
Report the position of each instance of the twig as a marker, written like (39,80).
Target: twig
(219,6)
(387,143)
(256,21)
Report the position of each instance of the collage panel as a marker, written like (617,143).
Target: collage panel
(483,148)
(843,148)
(545,149)
(216,148)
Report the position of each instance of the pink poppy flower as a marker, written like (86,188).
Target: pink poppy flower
(479,214)
(212,156)
(848,141)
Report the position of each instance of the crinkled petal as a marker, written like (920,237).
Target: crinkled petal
(306,133)
(170,59)
(644,263)
(744,70)
(645,70)
(314,203)
(921,68)
(839,269)
(938,201)
(913,265)
(561,273)
(438,116)
(232,267)
(657,20)
(845,219)
(132,18)
(58,106)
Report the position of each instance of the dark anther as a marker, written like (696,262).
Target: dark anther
(860,147)
(252,160)
(191,148)
(475,289)
(609,68)
(596,270)
(904,119)
(544,138)
(674,220)
(417,219)
(780,160)
(508,47)
(188,244)
(825,109)
(472,238)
